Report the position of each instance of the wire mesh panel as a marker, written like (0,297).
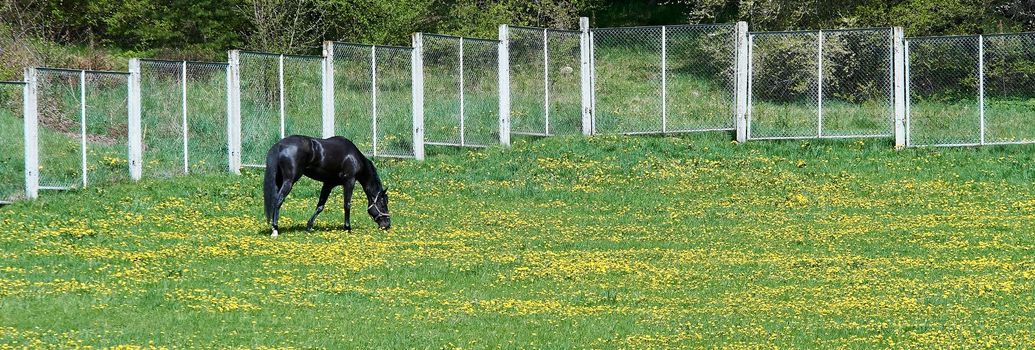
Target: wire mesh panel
(1009,88)
(784,92)
(260,106)
(107,126)
(858,95)
(481,92)
(302,91)
(60,128)
(527,81)
(442,85)
(461,91)
(206,117)
(701,77)
(12,162)
(394,122)
(353,98)
(944,96)
(564,82)
(628,80)
(161,117)
(545,81)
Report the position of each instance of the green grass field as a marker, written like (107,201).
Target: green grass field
(566,242)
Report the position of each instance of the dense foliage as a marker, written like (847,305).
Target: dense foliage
(43,32)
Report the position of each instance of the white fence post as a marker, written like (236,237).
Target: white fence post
(186,131)
(82,126)
(327,94)
(280,87)
(900,87)
(819,86)
(504,83)
(373,99)
(461,85)
(136,154)
(741,93)
(664,79)
(417,90)
(981,84)
(546,80)
(233,106)
(30,113)
(586,83)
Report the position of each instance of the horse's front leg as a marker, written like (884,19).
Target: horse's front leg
(350,184)
(324,194)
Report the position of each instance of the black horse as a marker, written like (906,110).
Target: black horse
(335,162)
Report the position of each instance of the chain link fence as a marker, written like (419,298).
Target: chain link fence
(12,152)
(183,117)
(544,81)
(664,79)
(373,98)
(821,84)
(280,96)
(627,71)
(461,88)
(971,90)
(701,69)
(83,118)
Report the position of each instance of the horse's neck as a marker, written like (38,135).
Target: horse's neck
(369,180)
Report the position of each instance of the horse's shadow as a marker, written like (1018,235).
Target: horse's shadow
(302,229)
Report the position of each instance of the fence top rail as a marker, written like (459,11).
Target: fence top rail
(446,36)
(547,29)
(1010,34)
(394,47)
(703,25)
(187,61)
(815,31)
(921,38)
(88,71)
(260,53)
(12,83)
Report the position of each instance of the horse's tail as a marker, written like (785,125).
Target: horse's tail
(269,182)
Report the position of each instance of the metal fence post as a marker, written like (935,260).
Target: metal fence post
(417,91)
(584,76)
(504,83)
(136,154)
(280,87)
(819,86)
(900,87)
(327,93)
(373,99)
(664,79)
(981,84)
(907,96)
(82,125)
(740,115)
(546,80)
(186,132)
(30,113)
(233,122)
(461,85)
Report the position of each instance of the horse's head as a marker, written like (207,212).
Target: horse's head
(378,209)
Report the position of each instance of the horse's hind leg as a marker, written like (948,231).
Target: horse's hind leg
(285,189)
(324,194)
(350,184)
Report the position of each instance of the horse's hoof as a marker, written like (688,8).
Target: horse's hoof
(348,228)
(275,234)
